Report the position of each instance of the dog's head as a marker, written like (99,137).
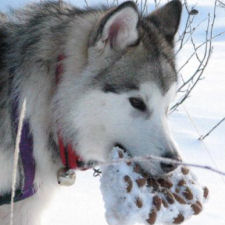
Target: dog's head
(126,87)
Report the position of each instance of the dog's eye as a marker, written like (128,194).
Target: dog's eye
(138,103)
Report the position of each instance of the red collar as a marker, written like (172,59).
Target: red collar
(70,159)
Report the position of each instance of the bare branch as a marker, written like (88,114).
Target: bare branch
(161,159)
(157,3)
(191,83)
(212,129)
(60,3)
(197,48)
(16,159)
(86,3)
(187,24)
(221,4)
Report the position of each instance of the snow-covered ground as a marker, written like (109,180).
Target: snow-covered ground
(82,204)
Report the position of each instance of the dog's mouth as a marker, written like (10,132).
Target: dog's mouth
(138,165)
(118,145)
(146,167)
(124,149)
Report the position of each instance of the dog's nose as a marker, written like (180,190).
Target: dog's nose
(168,167)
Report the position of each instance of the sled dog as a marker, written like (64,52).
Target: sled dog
(100,77)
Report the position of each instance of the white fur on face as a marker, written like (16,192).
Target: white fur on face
(104,119)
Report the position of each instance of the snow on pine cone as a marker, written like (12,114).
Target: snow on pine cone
(133,197)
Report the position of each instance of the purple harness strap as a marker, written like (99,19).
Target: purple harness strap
(26,154)
(27,188)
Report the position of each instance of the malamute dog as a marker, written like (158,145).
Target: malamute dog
(99,77)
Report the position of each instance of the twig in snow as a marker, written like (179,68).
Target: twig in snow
(212,129)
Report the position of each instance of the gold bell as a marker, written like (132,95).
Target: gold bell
(66,177)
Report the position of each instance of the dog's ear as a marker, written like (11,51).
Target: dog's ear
(167,19)
(118,28)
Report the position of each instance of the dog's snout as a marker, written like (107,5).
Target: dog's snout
(168,167)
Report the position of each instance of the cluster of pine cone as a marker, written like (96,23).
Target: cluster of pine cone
(165,200)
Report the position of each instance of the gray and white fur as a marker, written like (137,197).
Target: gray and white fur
(119,78)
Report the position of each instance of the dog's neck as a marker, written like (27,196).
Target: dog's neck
(70,159)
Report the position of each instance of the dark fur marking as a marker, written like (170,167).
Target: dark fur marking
(3,47)
(119,88)
(109,88)
(167,19)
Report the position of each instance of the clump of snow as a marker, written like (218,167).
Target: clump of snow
(133,197)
